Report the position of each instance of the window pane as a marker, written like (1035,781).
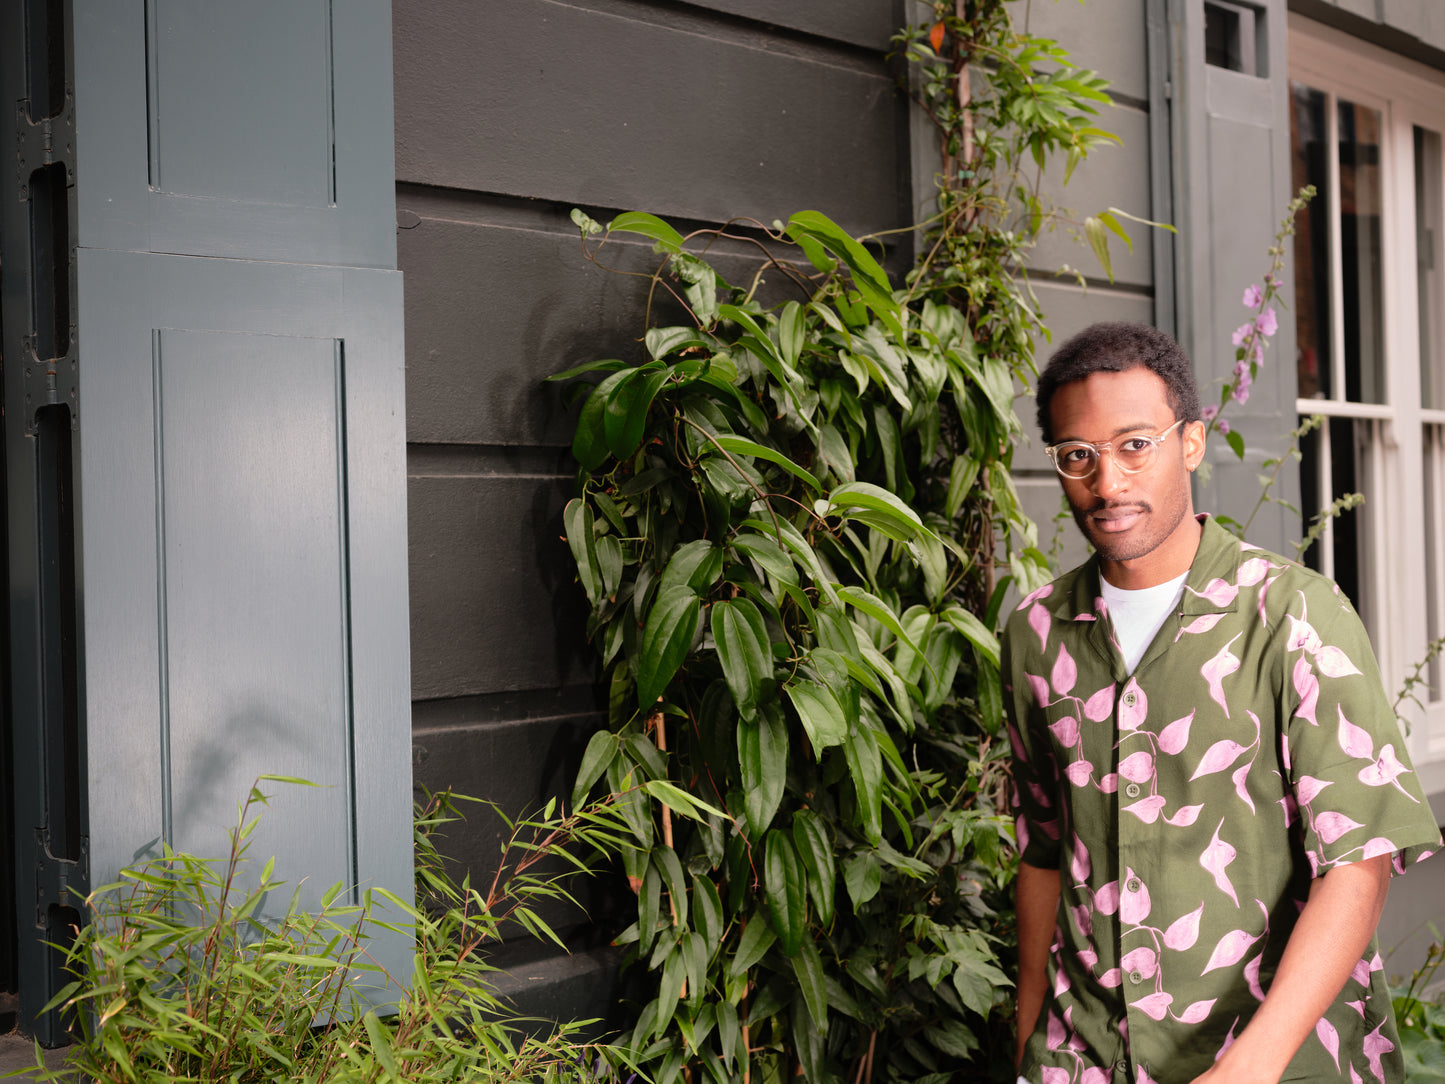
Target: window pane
(1334,464)
(1360,252)
(1311,243)
(1434,477)
(1427,261)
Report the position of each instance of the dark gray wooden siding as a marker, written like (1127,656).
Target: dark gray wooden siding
(508,114)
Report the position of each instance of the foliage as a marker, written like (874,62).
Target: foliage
(787,526)
(182,976)
(1421,1021)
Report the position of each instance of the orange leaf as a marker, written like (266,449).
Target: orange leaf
(935,37)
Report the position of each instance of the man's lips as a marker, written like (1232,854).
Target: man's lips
(1115,519)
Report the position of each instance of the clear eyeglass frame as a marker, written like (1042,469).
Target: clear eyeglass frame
(1144,456)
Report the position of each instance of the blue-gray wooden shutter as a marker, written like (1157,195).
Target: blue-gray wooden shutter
(238,443)
(1231,184)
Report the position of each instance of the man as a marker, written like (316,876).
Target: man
(1211,788)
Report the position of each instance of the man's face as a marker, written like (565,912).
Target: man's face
(1141,524)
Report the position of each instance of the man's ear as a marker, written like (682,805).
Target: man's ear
(1193,439)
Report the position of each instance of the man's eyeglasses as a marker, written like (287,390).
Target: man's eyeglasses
(1080,458)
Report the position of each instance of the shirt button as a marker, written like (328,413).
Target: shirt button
(1130,700)
(1136,977)
(1132,790)
(1133,884)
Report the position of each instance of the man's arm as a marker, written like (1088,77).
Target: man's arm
(1036,901)
(1333,930)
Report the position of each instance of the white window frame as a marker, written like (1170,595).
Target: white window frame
(1406,94)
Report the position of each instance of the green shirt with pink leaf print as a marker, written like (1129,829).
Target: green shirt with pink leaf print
(1188,807)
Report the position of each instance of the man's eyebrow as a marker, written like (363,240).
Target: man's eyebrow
(1134,428)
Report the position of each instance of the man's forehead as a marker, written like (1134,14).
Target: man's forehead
(1109,403)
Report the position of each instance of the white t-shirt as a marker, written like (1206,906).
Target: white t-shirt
(1137,615)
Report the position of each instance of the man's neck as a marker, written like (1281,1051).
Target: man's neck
(1172,557)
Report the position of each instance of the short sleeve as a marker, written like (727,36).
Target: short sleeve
(1355,790)
(1034,767)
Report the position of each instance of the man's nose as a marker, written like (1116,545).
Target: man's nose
(1108,478)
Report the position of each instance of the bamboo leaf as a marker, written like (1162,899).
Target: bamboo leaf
(757,938)
(808,968)
(810,837)
(865,766)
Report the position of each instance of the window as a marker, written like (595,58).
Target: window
(1369,296)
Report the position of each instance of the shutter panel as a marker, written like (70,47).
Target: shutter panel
(1231,184)
(238,446)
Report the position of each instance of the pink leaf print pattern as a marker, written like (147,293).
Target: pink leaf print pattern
(1079,863)
(1376,847)
(1331,826)
(1355,1077)
(1329,1039)
(1302,636)
(1216,859)
(1174,737)
(1217,757)
(1196,1013)
(1052,1074)
(1251,977)
(1101,705)
(1218,592)
(1109,783)
(1134,901)
(1335,663)
(1201,624)
(1064,673)
(1240,775)
(1143,960)
(1253,571)
(1155,1006)
(1065,731)
(1230,950)
(1079,772)
(1217,669)
(1146,809)
(1376,1046)
(1385,771)
(1185,816)
(1133,707)
(1183,932)
(1106,900)
(1041,690)
(1307,688)
(1309,787)
(1354,740)
(1094,1075)
(1039,622)
(1137,767)
(1111,978)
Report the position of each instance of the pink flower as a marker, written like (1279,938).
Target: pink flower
(1224,424)
(1253,296)
(1267,322)
(1241,392)
(1209,413)
(1242,332)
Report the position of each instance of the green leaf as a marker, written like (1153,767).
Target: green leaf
(666,860)
(810,837)
(577,524)
(865,766)
(380,1044)
(662,341)
(876,499)
(742,446)
(974,631)
(707,909)
(863,874)
(600,752)
(589,442)
(1235,441)
(666,637)
(757,938)
(785,889)
(808,967)
(649,226)
(820,712)
(695,564)
(743,650)
(792,333)
(1099,242)
(763,760)
(680,801)
(877,609)
(625,414)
